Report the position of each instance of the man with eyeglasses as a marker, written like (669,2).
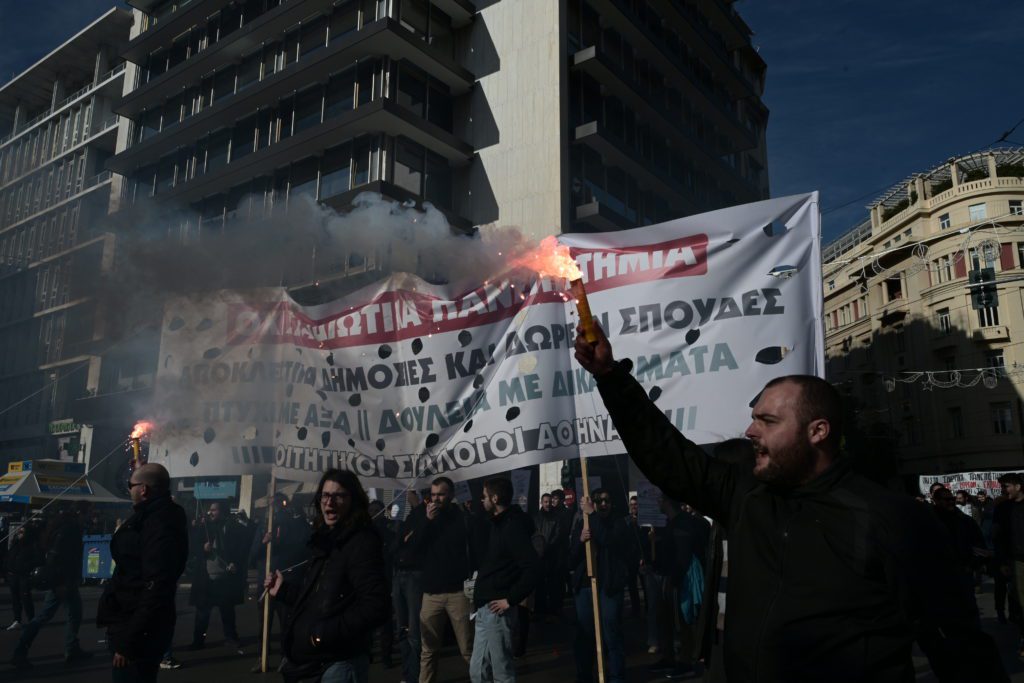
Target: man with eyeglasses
(613,552)
(149,552)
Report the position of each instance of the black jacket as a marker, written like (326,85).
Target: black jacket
(23,556)
(288,543)
(442,544)
(341,599)
(137,606)
(62,551)
(829,581)
(615,552)
(549,526)
(230,545)
(509,565)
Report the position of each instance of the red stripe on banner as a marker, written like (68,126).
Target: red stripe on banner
(608,268)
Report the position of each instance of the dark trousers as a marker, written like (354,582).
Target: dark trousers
(21,597)
(550,593)
(611,632)
(278,609)
(633,585)
(62,595)
(520,630)
(1004,595)
(137,671)
(227,622)
(407,594)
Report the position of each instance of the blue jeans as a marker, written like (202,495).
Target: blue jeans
(69,596)
(492,647)
(611,630)
(407,595)
(355,670)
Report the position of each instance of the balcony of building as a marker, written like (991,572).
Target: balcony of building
(77,190)
(381,37)
(619,15)
(594,62)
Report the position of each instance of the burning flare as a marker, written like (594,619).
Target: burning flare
(551,259)
(141,429)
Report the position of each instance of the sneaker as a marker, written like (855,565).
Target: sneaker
(14,625)
(170,663)
(234,645)
(77,655)
(652,650)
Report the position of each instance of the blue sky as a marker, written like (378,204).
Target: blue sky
(862,92)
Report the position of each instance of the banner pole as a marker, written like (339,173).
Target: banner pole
(595,593)
(266,602)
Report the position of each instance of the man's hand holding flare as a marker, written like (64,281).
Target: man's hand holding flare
(595,357)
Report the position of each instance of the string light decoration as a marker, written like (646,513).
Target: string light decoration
(955,379)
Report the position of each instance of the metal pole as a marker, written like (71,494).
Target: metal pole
(595,593)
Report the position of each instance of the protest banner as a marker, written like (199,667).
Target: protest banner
(649,499)
(971,482)
(521,488)
(403,381)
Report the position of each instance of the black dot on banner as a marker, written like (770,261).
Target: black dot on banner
(384,351)
(465,338)
(512,413)
(770,355)
(692,336)
(417,345)
(277,434)
(176,324)
(351,443)
(768,230)
(354,400)
(288,390)
(251,349)
(478,381)
(469,425)
(753,401)
(432,440)
(654,393)
(302,433)
(193,459)
(424,394)
(210,354)
(298,350)
(732,241)
(204,325)
(209,435)
(380,444)
(325,439)
(167,361)
(322,394)
(330,358)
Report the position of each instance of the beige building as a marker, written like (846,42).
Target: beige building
(924,364)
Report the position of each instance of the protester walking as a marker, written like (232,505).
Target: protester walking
(831,576)
(61,571)
(612,551)
(386,633)
(149,551)
(438,533)
(509,570)
(22,557)
(343,595)
(637,533)
(1003,587)
(548,523)
(407,595)
(219,560)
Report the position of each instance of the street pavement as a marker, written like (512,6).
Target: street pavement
(548,658)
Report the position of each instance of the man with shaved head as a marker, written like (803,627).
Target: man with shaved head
(149,551)
(831,577)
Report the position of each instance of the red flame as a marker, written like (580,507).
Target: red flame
(551,259)
(141,429)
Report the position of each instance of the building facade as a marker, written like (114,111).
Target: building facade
(57,132)
(568,115)
(925,363)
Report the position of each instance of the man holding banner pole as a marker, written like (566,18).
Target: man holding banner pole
(831,576)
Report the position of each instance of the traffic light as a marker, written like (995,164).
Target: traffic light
(983,288)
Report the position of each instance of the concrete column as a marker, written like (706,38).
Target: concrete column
(102,64)
(927,189)
(919,188)
(58,93)
(19,117)
(954,172)
(991,159)
(876,217)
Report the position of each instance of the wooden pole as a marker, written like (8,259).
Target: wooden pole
(266,601)
(595,593)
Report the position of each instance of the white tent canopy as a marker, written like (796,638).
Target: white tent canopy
(41,481)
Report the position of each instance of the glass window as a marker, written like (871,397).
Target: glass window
(344,20)
(172,111)
(303,179)
(988,316)
(217,150)
(361,161)
(995,359)
(977,212)
(1002,417)
(438,189)
(149,123)
(1016,207)
(441,35)
(271,61)
(439,108)
(412,90)
(945,324)
(340,93)
(224,83)
(365,71)
(337,167)
(413,16)
(284,119)
(249,70)
(308,106)
(409,166)
(243,138)
(165,175)
(956,422)
(314,36)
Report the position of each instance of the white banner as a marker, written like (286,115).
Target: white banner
(971,482)
(403,381)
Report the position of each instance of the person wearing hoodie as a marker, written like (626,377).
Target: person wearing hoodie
(343,594)
(509,570)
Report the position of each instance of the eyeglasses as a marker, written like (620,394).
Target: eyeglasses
(333,497)
(133,484)
(603,501)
